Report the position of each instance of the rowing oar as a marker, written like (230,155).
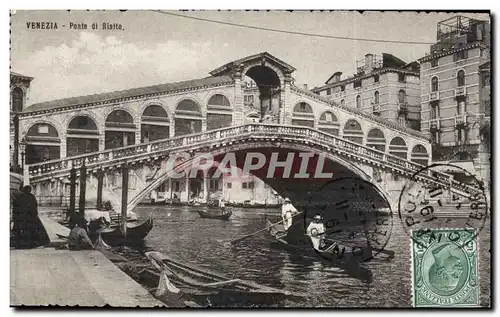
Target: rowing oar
(257,232)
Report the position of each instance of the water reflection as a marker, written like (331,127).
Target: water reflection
(383,281)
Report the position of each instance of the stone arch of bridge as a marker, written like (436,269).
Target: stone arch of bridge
(340,167)
(268,80)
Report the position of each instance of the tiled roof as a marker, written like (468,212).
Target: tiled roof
(134,92)
(224,68)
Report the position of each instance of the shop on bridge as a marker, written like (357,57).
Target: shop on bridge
(82,136)
(219,112)
(119,130)
(303,115)
(188,118)
(375,139)
(328,123)
(353,131)
(155,124)
(42,143)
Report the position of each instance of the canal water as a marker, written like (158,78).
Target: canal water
(382,282)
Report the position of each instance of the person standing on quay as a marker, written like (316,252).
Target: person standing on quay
(27,225)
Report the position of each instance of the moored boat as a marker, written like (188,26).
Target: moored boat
(223,216)
(136,232)
(205,284)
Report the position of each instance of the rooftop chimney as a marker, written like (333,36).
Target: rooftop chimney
(368,63)
(336,77)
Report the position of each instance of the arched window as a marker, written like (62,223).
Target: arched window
(119,116)
(43,143)
(82,136)
(303,115)
(188,105)
(419,155)
(358,101)
(219,112)
(342,102)
(328,123)
(119,130)
(353,131)
(402,96)
(434,84)
(377,97)
(376,139)
(17,99)
(303,107)
(461,78)
(219,100)
(155,111)
(155,124)
(398,147)
(188,118)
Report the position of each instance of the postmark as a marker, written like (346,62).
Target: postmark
(424,206)
(356,216)
(445,268)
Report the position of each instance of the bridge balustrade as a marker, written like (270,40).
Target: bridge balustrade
(307,133)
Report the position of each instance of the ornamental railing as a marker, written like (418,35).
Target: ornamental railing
(345,147)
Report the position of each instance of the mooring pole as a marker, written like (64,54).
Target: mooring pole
(123,219)
(72,192)
(83,187)
(100,182)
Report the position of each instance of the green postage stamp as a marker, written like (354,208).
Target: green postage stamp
(444,268)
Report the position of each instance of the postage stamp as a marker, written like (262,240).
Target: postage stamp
(445,268)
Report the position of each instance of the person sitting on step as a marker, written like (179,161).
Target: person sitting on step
(78,238)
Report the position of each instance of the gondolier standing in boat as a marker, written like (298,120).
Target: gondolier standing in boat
(316,231)
(287,211)
(222,205)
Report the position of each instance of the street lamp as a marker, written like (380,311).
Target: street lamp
(22,147)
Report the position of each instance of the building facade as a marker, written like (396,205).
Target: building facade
(383,85)
(19,92)
(455,93)
(73,126)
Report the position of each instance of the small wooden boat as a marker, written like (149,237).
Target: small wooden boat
(205,284)
(333,251)
(136,232)
(224,216)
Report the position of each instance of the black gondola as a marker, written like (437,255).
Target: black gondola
(223,216)
(333,251)
(136,232)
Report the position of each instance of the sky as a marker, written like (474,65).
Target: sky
(154,48)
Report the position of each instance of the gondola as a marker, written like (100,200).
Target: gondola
(223,216)
(202,283)
(136,232)
(332,251)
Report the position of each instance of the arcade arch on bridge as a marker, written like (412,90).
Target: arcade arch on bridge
(303,115)
(376,139)
(82,136)
(329,123)
(269,84)
(398,147)
(155,124)
(419,155)
(353,131)
(42,143)
(119,129)
(188,117)
(219,112)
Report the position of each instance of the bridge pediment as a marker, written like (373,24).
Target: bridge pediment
(262,59)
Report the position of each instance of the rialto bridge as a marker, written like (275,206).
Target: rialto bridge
(137,130)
